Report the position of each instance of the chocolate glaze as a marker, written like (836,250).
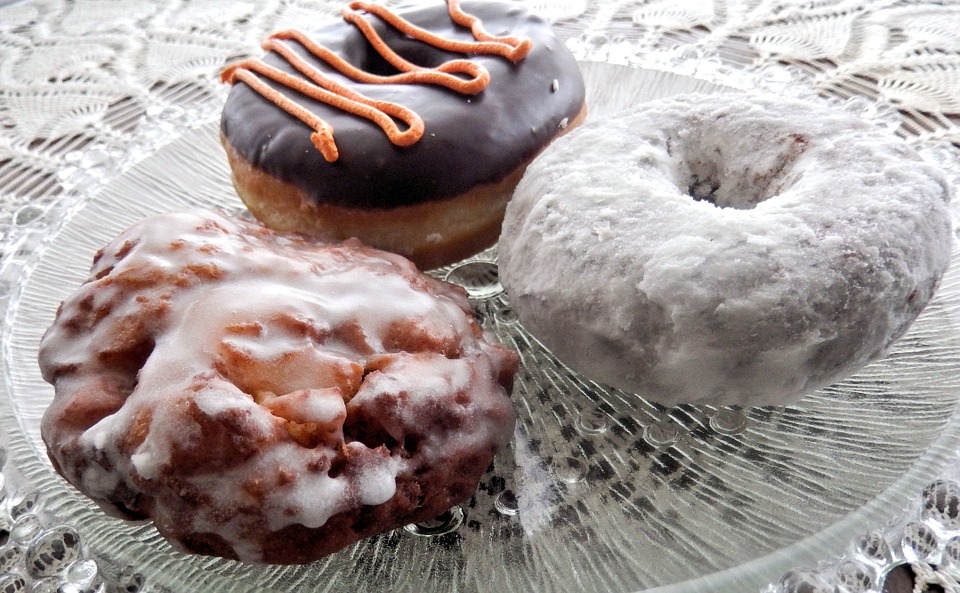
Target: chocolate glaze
(469,140)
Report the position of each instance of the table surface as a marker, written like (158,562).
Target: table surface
(80,80)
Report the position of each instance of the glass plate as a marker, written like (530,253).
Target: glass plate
(599,490)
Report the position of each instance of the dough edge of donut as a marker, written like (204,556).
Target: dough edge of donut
(431,234)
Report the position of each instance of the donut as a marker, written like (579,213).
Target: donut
(267,398)
(406,130)
(734,249)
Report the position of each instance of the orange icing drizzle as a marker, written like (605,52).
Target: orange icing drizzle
(459,75)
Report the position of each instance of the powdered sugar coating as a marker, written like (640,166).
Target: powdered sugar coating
(256,394)
(728,249)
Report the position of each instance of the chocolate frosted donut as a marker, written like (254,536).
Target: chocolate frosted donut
(441,197)
(265,398)
(725,249)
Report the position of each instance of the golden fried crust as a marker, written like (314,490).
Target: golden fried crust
(431,234)
(268,398)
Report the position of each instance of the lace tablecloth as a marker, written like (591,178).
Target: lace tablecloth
(88,84)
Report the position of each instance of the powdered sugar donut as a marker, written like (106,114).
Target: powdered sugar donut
(724,249)
(266,398)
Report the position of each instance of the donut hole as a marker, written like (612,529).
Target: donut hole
(703,184)
(709,173)
(420,55)
(371,61)
(358,51)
